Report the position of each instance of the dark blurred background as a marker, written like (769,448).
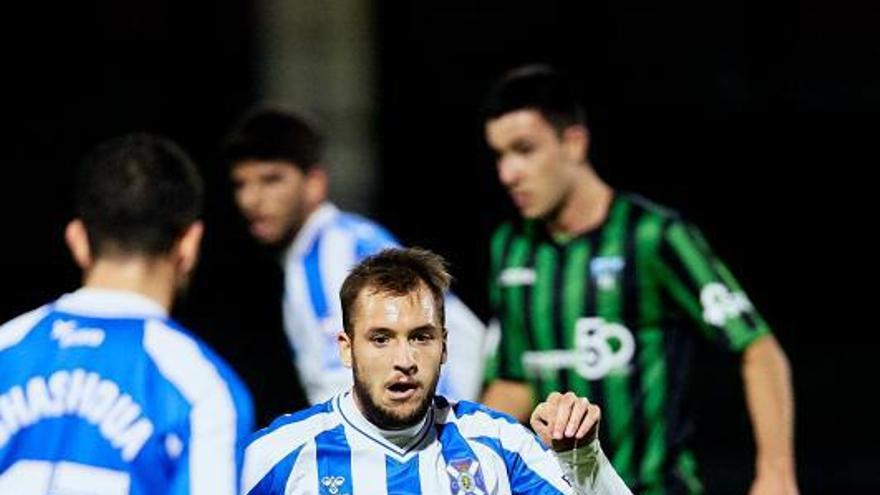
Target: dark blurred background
(756,121)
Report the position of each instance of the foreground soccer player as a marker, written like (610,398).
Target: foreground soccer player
(101,393)
(392,434)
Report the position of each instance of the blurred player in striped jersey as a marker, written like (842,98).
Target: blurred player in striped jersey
(390,433)
(101,393)
(280,180)
(602,292)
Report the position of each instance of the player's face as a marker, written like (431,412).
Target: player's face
(534,163)
(271,195)
(395,351)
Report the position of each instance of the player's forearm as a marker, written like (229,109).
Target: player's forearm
(589,471)
(767,380)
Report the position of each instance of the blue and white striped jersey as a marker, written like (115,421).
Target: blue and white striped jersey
(460,448)
(330,243)
(102,394)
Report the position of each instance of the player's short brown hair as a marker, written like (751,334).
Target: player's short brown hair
(396,271)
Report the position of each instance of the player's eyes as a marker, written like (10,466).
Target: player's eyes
(271,179)
(379,339)
(523,148)
(423,337)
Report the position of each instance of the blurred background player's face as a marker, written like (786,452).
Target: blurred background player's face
(535,164)
(272,197)
(395,353)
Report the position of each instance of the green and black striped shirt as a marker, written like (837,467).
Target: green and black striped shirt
(611,314)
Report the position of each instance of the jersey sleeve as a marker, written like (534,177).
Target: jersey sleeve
(218,412)
(274,481)
(589,471)
(534,469)
(692,276)
(273,451)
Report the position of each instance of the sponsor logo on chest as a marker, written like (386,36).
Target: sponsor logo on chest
(601,348)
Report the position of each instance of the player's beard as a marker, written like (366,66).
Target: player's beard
(384,418)
(294,222)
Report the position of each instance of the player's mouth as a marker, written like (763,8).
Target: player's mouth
(260,226)
(402,390)
(521,199)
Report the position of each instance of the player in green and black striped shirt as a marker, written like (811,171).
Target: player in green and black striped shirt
(602,293)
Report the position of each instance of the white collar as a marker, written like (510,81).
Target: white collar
(90,301)
(398,441)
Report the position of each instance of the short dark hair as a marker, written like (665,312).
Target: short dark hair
(273,134)
(536,87)
(396,271)
(136,194)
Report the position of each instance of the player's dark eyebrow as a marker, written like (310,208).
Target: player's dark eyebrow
(429,329)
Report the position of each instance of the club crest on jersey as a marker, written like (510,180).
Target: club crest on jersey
(465,477)
(333,483)
(605,269)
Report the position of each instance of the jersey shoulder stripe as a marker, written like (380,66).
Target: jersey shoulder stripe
(314,280)
(213,417)
(465,408)
(15,330)
(369,236)
(286,435)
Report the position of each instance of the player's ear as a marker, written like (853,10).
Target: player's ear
(188,247)
(77,240)
(576,142)
(316,185)
(344,342)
